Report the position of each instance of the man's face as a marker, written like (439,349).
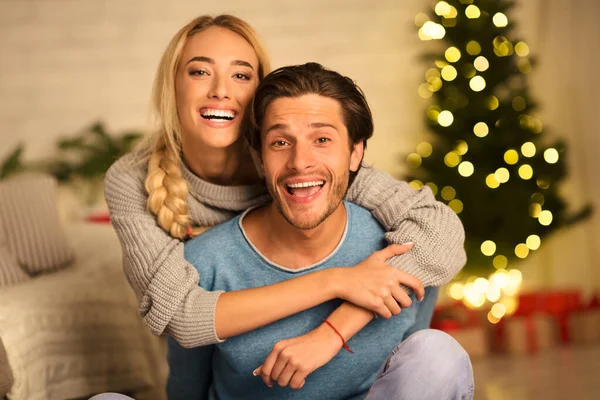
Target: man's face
(306,157)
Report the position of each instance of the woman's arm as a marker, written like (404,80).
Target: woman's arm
(411,215)
(167,285)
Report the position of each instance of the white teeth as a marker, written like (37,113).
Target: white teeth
(209,112)
(306,184)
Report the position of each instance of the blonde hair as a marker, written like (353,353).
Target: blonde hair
(167,189)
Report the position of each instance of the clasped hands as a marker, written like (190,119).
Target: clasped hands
(372,285)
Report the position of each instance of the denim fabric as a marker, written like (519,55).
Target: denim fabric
(429,365)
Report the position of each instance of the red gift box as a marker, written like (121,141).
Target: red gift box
(464,325)
(584,325)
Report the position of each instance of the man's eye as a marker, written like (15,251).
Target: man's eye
(322,140)
(279,143)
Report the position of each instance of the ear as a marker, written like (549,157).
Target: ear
(356,156)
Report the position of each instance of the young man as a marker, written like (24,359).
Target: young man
(309,126)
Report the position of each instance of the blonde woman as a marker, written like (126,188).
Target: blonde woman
(196,171)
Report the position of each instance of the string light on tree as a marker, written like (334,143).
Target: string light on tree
(489,159)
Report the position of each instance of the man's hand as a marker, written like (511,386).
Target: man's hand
(292,360)
(374,285)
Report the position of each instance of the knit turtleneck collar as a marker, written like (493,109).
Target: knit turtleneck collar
(225,197)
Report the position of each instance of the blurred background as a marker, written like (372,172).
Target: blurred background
(75,82)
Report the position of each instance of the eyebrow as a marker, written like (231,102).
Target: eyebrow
(211,61)
(314,125)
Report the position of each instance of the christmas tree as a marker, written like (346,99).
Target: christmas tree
(490,158)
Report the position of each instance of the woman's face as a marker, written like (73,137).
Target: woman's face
(215,80)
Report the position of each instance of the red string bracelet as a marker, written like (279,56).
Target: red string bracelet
(344,344)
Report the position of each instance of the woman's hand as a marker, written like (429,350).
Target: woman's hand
(374,285)
(292,360)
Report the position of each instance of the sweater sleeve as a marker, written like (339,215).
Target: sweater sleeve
(411,215)
(165,283)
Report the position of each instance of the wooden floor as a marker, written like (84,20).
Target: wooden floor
(562,373)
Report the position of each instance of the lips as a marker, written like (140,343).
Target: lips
(305,189)
(217,115)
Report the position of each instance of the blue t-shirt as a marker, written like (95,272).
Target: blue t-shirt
(226,260)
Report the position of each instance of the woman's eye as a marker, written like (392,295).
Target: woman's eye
(242,76)
(197,72)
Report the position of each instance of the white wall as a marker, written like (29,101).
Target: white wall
(66,63)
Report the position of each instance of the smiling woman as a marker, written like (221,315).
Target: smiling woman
(196,170)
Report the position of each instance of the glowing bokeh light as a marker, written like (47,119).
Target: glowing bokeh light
(466,169)
(452,159)
(500,262)
(473,48)
(477,83)
(445,118)
(528,149)
(500,20)
(502,175)
(521,250)
(551,156)
(456,205)
(481,129)
(452,54)
(424,149)
(491,181)
(448,193)
(449,73)
(481,63)
(488,248)
(414,160)
(533,242)
(511,157)
(545,217)
(472,12)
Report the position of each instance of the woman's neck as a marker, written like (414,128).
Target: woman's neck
(230,166)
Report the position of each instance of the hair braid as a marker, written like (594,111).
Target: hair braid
(167,191)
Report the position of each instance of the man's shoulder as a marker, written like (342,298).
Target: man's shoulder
(219,239)
(361,217)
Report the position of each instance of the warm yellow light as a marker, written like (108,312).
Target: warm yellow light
(492,102)
(518,103)
(533,242)
(430,30)
(528,149)
(473,48)
(488,248)
(502,46)
(456,291)
(481,129)
(448,193)
(542,184)
(432,73)
(481,285)
(433,112)
(502,175)
(449,73)
(524,66)
(477,83)
(511,304)
(515,276)
(416,184)
(526,172)
(500,262)
(452,54)
(472,12)
(538,198)
(433,187)
(499,279)
(440,63)
(445,118)
(498,310)
(456,206)
(414,160)
(493,293)
(434,83)
(511,157)
(522,49)
(537,126)
(424,149)
(500,20)
(535,210)
(551,156)
(521,250)
(420,19)
(424,91)
(452,159)
(492,319)
(442,8)
(510,289)
(481,63)
(462,147)
(491,181)
(545,217)
(466,169)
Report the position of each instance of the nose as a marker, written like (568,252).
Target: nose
(301,157)
(219,88)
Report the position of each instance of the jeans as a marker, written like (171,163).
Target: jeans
(430,364)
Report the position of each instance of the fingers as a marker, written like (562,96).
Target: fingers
(286,375)
(392,305)
(393,250)
(266,369)
(400,297)
(412,282)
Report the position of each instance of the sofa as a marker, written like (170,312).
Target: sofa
(70,331)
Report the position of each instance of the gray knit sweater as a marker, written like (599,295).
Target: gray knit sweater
(167,285)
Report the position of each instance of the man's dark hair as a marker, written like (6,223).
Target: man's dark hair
(311,78)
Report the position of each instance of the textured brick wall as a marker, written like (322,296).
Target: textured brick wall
(66,63)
